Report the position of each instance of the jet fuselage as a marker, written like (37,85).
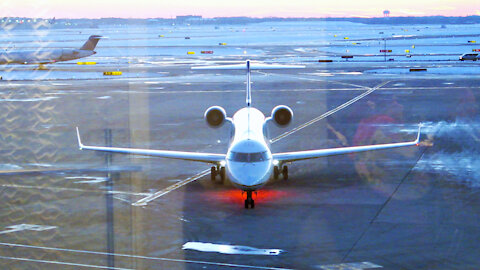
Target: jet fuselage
(43,56)
(249,163)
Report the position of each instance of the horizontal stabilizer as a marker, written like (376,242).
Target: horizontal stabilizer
(248,66)
(253,66)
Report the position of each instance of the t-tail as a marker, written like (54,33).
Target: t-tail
(249,66)
(91,43)
(249,84)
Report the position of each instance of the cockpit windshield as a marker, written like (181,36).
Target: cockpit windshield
(248,157)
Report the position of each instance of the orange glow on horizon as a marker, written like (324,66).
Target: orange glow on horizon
(220,8)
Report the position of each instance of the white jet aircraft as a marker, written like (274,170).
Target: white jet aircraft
(249,163)
(49,56)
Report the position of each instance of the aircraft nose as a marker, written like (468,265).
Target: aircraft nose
(249,174)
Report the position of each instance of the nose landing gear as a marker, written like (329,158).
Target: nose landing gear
(249,202)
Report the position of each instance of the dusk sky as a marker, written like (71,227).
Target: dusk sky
(222,8)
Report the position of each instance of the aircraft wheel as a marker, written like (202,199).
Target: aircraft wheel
(213,173)
(276,172)
(249,202)
(285,172)
(222,174)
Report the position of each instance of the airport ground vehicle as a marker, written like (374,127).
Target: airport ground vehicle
(469,56)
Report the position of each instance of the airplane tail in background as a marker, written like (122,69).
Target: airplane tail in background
(91,43)
(248,67)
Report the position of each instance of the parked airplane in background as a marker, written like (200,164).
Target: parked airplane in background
(49,56)
(249,162)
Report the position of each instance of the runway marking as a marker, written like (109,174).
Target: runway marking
(350,266)
(267,90)
(160,193)
(62,263)
(337,82)
(343,106)
(383,205)
(25,227)
(318,80)
(121,199)
(76,189)
(288,90)
(142,257)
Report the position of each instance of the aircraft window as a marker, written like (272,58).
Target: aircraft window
(248,157)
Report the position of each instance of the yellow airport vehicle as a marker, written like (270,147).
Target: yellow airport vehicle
(222,43)
(161,36)
(334,35)
(407,51)
(346,38)
(86,63)
(112,73)
(472,41)
(190,52)
(413,46)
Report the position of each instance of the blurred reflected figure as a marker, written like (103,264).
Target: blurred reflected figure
(378,126)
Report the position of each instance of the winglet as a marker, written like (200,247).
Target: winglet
(80,145)
(417,141)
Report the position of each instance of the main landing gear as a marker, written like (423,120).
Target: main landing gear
(214,171)
(249,202)
(284,172)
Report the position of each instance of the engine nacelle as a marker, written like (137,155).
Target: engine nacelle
(215,116)
(282,115)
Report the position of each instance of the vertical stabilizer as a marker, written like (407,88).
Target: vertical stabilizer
(249,84)
(249,67)
(91,43)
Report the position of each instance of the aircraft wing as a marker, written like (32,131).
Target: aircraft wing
(191,156)
(310,154)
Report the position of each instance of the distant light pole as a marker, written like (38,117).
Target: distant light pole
(384,49)
(386,14)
